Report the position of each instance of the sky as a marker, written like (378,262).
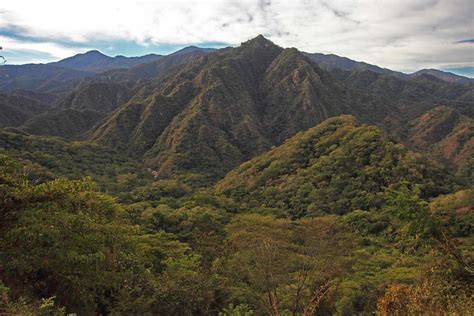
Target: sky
(403,35)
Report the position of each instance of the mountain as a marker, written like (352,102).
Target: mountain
(245,180)
(95,61)
(78,112)
(193,49)
(333,62)
(152,70)
(73,114)
(61,77)
(443,75)
(224,108)
(206,111)
(217,110)
(445,133)
(411,98)
(43,78)
(90,102)
(46,98)
(15,109)
(336,167)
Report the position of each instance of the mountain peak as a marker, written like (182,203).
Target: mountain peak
(93,52)
(88,56)
(260,40)
(83,61)
(189,49)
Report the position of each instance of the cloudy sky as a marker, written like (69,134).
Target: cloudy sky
(404,35)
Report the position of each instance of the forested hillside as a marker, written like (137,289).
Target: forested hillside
(336,167)
(335,220)
(226,107)
(254,180)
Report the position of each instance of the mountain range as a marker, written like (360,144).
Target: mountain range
(246,180)
(95,61)
(332,62)
(205,111)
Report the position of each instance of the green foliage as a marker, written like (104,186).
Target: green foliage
(48,308)
(177,249)
(335,167)
(260,241)
(42,307)
(201,227)
(455,212)
(48,158)
(444,289)
(60,238)
(239,310)
(157,190)
(280,265)
(405,204)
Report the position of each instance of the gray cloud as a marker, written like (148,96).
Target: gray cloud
(469,40)
(400,34)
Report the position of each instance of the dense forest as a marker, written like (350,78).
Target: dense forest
(237,182)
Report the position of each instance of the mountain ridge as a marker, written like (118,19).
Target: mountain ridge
(95,61)
(331,62)
(201,111)
(222,108)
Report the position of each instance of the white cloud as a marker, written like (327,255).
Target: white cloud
(53,50)
(398,34)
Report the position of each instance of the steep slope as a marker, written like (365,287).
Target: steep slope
(213,87)
(15,109)
(153,69)
(224,108)
(95,61)
(66,123)
(298,94)
(48,99)
(97,96)
(92,99)
(408,99)
(336,167)
(448,135)
(79,111)
(220,109)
